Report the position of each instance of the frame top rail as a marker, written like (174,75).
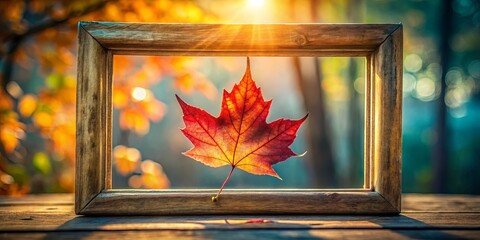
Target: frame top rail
(239,39)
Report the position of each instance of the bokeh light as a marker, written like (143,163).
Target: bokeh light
(139,94)
(425,89)
(359,85)
(474,69)
(409,82)
(413,63)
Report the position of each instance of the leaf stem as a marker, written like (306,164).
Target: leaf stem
(215,198)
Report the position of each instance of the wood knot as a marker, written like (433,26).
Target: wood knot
(300,39)
(333,196)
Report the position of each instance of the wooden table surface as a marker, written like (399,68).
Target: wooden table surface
(423,216)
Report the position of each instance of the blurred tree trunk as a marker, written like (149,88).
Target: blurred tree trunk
(440,148)
(309,77)
(356,127)
(320,157)
(13,40)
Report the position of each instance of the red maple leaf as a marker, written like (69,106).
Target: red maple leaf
(240,136)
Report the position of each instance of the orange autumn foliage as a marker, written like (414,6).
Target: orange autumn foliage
(152,177)
(11,130)
(48,109)
(128,161)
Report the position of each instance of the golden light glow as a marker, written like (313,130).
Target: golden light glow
(255,3)
(139,94)
(126,159)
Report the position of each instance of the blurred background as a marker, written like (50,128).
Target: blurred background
(441,114)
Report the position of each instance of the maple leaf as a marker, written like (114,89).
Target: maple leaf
(240,136)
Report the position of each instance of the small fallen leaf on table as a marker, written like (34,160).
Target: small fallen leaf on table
(240,136)
(259,221)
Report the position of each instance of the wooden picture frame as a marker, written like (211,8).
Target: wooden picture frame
(380,44)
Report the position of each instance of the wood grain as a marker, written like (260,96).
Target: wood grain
(388,118)
(107,138)
(92,149)
(57,221)
(427,217)
(38,199)
(369,124)
(253,234)
(239,39)
(98,42)
(440,203)
(63,219)
(424,212)
(411,203)
(118,202)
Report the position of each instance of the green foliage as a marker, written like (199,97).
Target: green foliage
(41,163)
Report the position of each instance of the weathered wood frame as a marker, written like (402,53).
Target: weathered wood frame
(380,44)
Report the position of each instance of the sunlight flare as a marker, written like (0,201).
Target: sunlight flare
(139,94)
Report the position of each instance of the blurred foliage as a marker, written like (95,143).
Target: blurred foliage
(424,63)
(37,94)
(37,111)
